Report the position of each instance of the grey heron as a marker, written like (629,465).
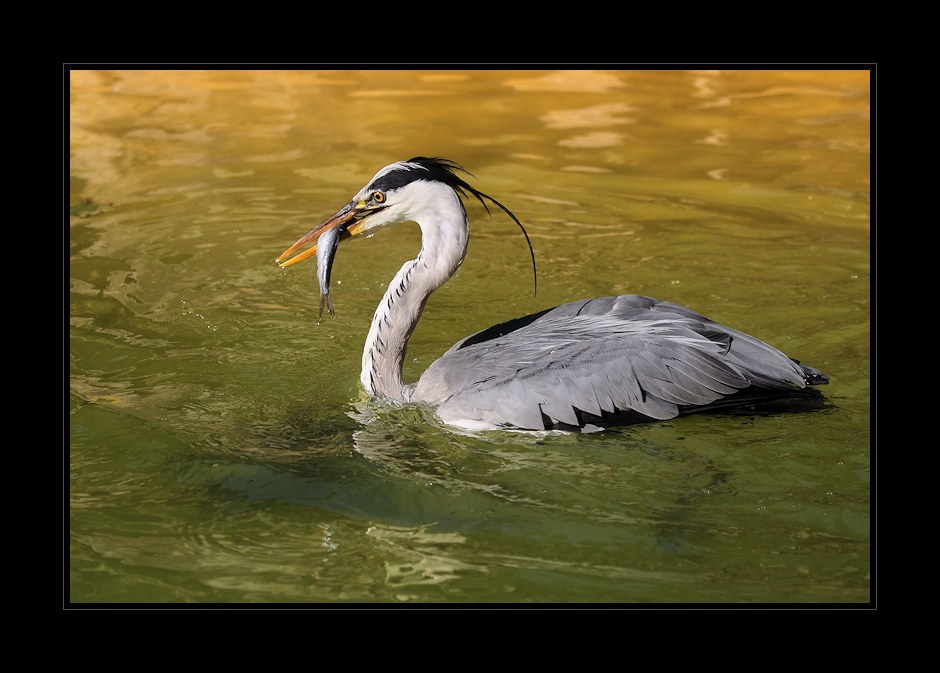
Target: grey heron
(579,366)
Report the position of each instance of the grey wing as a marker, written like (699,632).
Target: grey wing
(599,358)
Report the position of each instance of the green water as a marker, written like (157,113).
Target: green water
(220,449)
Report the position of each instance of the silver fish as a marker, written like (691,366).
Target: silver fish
(326,251)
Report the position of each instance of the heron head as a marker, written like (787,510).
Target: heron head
(400,192)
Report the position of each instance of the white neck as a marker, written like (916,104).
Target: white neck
(444,234)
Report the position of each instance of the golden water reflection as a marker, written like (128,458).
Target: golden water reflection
(214,436)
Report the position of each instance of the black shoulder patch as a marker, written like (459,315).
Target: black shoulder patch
(502,329)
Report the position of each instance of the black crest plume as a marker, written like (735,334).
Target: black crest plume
(444,170)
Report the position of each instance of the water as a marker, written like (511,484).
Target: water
(220,449)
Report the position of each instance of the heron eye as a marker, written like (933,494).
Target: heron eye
(378,197)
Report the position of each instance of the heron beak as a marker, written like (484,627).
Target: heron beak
(353,212)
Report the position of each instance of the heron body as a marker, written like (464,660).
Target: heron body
(579,366)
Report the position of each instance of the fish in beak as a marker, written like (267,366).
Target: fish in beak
(351,218)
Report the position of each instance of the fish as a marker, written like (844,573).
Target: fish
(326,251)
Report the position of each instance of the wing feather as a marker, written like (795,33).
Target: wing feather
(600,357)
